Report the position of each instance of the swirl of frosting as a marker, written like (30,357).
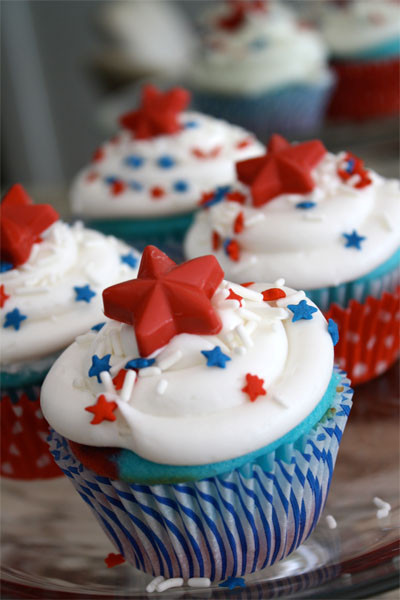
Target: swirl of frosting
(162,175)
(201,398)
(56,294)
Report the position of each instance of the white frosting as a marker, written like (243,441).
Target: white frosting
(268,51)
(360,25)
(182,183)
(306,246)
(181,412)
(42,289)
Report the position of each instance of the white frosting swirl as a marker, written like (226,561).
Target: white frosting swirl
(42,289)
(182,166)
(180,411)
(307,246)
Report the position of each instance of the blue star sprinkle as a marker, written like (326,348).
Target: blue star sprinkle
(181,186)
(353,240)
(191,124)
(166,162)
(5,266)
(84,293)
(110,179)
(14,319)
(140,363)
(134,161)
(215,357)
(305,205)
(233,582)
(129,260)
(99,365)
(98,326)
(333,331)
(302,310)
(135,185)
(219,195)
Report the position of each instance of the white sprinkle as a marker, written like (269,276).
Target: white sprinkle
(353,180)
(149,371)
(154,583)
(312,216)
(116,343)
(169,583)
(169,360)
(233,304)
(382,513)
(162,386)
(199,582)
(240,350)
(331,521)
(279,282)
(388,221)
(93,242)
(293,299)
(277,399)
(379,503)
(220,296)
(107,382)
(245,292)
(251,326)
(244,336)
(127,388)
(29,291)
(254,219)
(249,315)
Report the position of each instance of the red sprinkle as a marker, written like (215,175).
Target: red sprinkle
(92,176)
(273,294)
(233,296)
(157,192)
(235,197)
(238,225)
(112,560)
(203,154)
(98,155)
(3,296)
(254,387)
(103,410)
(119,379)
(247,284)
(215,240)
(206,197)
(117,187)
(244,143)
(233,250)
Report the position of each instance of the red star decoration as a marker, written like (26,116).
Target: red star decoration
(166,299)
(3,296)
(238,225)
(254,387)
(119,379)
(285,169)
(273,294)
(215,240)
(157,114)
(21,223)
(112,560)
(233,296)
(103,410)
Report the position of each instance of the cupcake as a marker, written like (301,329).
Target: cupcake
(145,183)
(51,280)
(206,423)
(261,68)
(330,226)
(364,43)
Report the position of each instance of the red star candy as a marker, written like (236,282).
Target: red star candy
(3,296)
(285,169)
(215,240)
(273,294)
(233,296)
(238,225)
(166,299)
(103,410)
(119,379)
(112,560)
(157,192)
(157,114)
(254,387)
(117,187)
(21,223)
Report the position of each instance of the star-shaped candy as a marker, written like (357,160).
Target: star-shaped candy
(83,293)
(284,169)
(140,363)
(302,310)
(14,319)
(112,560)
(333,331)
(103,410)
(353,240)
(215,357)
(233,582)
(158,113)
(3,296)
(254,387)
(21,224)
(129,260)
(99,365)
(166,299)
(233,296)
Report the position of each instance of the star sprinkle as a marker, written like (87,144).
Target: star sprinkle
(5,266)
(98,327)
(117,187)
(84,293)
(238,224)
(353,240)
(284,169)
(129,260)
(181,186)
(215,240)
(158,113)
(119,379)
(333,331)
(233,296)
(236,196)
(157,192)
(14,319)
(215,357)
(103,410)
(211,198)
(99,365)
(233,582)
(112,560)
(3,296)
(134,161)
(21,223)
(254,387)
(273,294)
(302,310)
(140,363)
(166,162)
(354,166)
(232,249)
(305,205)
(166,299)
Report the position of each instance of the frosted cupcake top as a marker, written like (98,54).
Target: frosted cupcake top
(52,278)
(192,369)
(317,218)
(162,160)
(256,46)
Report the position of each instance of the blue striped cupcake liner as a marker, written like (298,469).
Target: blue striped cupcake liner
(228,525)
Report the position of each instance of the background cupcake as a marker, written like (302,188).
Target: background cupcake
(50,291)
(329,226)
(261,68)
(203,437)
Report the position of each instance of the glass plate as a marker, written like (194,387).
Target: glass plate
(53,547)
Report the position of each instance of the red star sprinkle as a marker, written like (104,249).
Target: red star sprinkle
(206,197)
(3,296)
(238,225)
(254,387)
(112,560)
(285,169)
(119,379)
(98,155)
(158,113)
(117,187)
(273,294)
(103,410)
(157,192)
(21,223)
(215,240)
(203,154)
(166,299)
(233,250)
(235,197)
(357,169)
(233,296)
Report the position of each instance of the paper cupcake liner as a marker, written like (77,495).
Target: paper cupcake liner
(366,89)
(24,451)
(369,335)
(223,526)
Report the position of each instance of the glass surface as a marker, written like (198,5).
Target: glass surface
(54,548)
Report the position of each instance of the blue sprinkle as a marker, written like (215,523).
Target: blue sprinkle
(129,260)
(84,293)
(302,310)
(233,582)
(305,205)
(190,124)
(5,266)
(181,186)
(14,319)
(99,365)
(134,161)
(258,43)
(321,437)
(140,363)
(219,195)
(215,357)
(350,166)
(333,331)
(98,326)
(135,185)
(110,179)
(166,162)
(353,239)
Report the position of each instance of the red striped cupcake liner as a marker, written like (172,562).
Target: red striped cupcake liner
(369,335)
(24,449)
